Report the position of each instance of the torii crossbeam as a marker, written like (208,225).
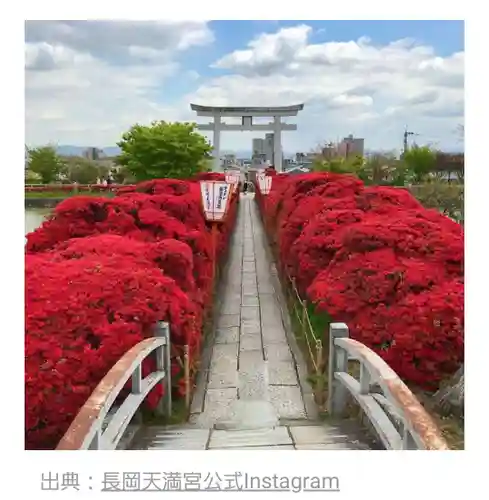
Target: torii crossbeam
(247,114)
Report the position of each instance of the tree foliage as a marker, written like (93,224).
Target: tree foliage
(122,175)
(384,170)
(163,150)
(339,165)
(45,162)
(83,171)
(441,195)
(421,160)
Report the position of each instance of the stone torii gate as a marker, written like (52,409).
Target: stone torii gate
(246,115)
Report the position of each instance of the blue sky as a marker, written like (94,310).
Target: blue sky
(446,36)
(87,82)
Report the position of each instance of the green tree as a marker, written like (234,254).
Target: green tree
(32,178)
(45,162)
(375,170)
(82,171)
(122,175)
(421,161)
(351,165)
(163,149)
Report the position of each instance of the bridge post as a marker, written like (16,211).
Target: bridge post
(163,363)
(338,362)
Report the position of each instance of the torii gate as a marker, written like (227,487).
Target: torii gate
(246,115)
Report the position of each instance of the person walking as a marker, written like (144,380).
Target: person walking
(245,184)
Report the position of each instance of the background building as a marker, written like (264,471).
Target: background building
(93,154)
(229,160)
(329,151)
(351,146)
(269,148)
(262,150)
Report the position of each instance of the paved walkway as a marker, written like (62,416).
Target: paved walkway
(252,370)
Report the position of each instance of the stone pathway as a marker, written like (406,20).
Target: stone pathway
(252,373)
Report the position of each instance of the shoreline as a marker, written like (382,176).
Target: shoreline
(42,202)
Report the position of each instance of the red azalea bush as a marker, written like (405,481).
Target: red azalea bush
(210,176)
(376,259)
(173,257)
(99,273)
(421,337)
(82,315)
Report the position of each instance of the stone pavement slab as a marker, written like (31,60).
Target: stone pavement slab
(224,366)
(282,372)
(228,335)
(279,351)
(288,401)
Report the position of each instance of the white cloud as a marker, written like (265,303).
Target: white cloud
(88,82)
(115,41)
(371,91)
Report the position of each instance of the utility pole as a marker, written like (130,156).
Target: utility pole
(406,134)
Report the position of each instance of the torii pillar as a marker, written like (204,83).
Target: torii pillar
(246,115)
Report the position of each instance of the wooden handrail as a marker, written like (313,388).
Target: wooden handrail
(395,413)
(86,431)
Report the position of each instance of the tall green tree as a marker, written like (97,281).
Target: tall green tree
(339,165)
(83,171)
(45,162)
(163,149)
(421,160)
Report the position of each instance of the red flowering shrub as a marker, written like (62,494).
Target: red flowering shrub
(312,248)
(376,259)
(210,176)
(173,257)
(165,186)
(82,315)
(346,286)
(381,198)
(99,273)
(421,337)
(292,227)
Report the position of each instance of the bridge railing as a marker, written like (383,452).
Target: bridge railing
(90,429)
(397,416)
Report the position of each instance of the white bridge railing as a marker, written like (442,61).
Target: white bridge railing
(398,418)
(90,429)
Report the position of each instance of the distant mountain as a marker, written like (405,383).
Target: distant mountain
(67,150)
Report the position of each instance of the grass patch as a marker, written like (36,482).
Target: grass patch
(318,378)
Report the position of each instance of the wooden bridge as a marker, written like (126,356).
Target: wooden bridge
(253,391)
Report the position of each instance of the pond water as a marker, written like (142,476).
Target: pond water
(34,218)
